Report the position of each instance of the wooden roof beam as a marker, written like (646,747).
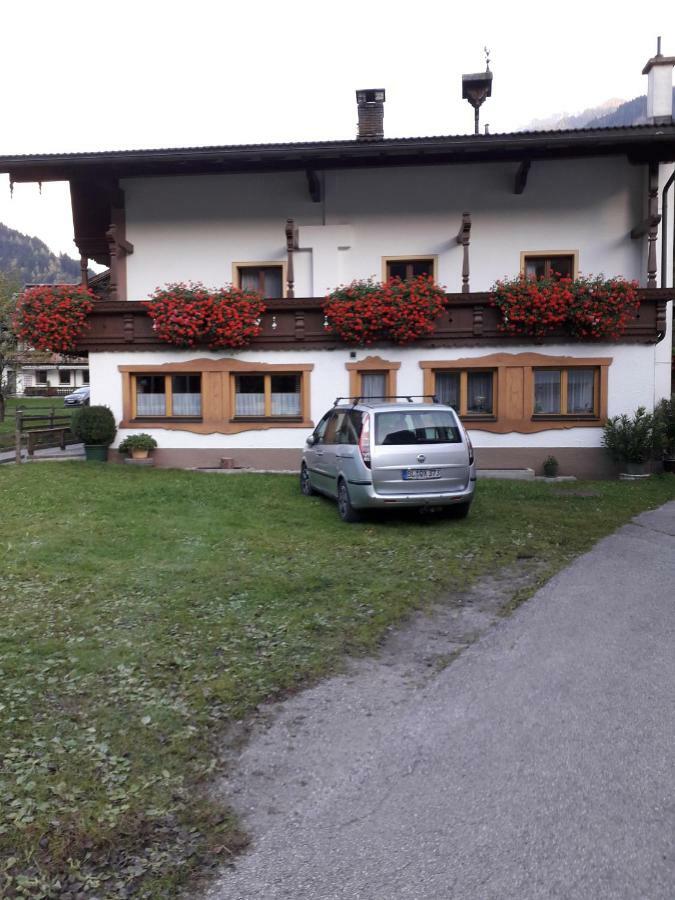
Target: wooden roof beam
(521,176)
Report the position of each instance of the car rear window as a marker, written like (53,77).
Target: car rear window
(416,427)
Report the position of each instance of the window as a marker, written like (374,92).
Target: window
(548,265)
(424,427)
(167,395)
(41,377)
(267,278)
(566,392)
(373,385)
(411,267)
(372,378)
(65,376)
(470,392)
(85,376)
(268,395)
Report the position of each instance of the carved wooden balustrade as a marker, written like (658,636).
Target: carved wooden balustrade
(294,324)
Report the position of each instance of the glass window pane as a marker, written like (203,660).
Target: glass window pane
(447,388)
(273,282)
(285,395)
(423,427)
(150,395)
(249,395)
(535,266)
(373,385)
(41,377)
(409,268)
(546,392)
(85,376)
(249,278)
(562,265)
(187,395)
(479,393)
(580,390)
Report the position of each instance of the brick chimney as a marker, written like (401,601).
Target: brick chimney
(370,104)
(659,70)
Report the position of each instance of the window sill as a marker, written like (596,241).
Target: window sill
(478,417)
(569,417)
(151,420)
(272,420)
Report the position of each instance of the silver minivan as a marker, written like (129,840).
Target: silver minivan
(374,455)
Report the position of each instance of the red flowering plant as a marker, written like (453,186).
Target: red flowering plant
(602,307)
(234,317)
(586,307)
(180,312)
(189,314)
(367,311)
(53,317)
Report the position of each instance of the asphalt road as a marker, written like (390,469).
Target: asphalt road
(540,763)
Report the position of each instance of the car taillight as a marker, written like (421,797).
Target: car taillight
(364,440)
(469,447)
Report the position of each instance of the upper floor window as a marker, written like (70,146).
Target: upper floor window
(566,392)
(407,268)
(536,264)
(266,278)
(167,395)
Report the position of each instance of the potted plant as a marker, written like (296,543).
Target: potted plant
(633,440)
(138,446)
(95,427)
(551,467)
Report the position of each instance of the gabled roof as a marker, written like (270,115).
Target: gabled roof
(640,143)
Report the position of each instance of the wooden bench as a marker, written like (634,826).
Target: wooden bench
(33,434)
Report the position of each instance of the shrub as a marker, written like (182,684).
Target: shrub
(665,413)
(94,425)
(635,439)
(364,312)
(137,442)
(53,317)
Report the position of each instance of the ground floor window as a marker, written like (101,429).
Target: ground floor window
(65,376)
(167,395)
(268,395)
(85,376)
(41,377)
(372,378)
(469,392)
(566,392)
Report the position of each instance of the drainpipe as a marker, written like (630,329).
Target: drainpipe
(664,234)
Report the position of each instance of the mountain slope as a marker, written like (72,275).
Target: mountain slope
(610,114)
(31,261)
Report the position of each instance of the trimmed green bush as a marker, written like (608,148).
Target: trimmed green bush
(94,425)
(635,439)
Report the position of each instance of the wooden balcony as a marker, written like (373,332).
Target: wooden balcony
(468,320)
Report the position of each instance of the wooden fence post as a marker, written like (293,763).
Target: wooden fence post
(18,417)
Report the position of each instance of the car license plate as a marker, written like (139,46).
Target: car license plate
(420,474)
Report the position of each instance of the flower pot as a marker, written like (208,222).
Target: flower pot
(139,454)
(96,452)
(635,468)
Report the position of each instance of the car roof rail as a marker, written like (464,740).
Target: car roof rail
(409,397)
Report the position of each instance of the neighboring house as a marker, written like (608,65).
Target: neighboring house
(44,374)
(583,200)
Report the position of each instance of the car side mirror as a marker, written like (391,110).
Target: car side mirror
(311,440)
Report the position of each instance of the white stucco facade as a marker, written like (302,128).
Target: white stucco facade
(195,228)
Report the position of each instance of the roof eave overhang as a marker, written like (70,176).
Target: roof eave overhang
(655,144)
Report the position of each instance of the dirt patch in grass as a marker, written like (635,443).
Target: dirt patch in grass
(143,612)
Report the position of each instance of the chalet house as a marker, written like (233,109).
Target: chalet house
(37,374)
(299,219)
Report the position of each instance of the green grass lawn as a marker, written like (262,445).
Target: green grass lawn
(141,611)
(32,406)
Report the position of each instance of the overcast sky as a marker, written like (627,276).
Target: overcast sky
(144,73)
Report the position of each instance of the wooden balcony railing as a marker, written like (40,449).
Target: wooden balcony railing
(291,324)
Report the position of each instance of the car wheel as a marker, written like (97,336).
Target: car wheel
(305,484)
(345,508)
(458,511)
